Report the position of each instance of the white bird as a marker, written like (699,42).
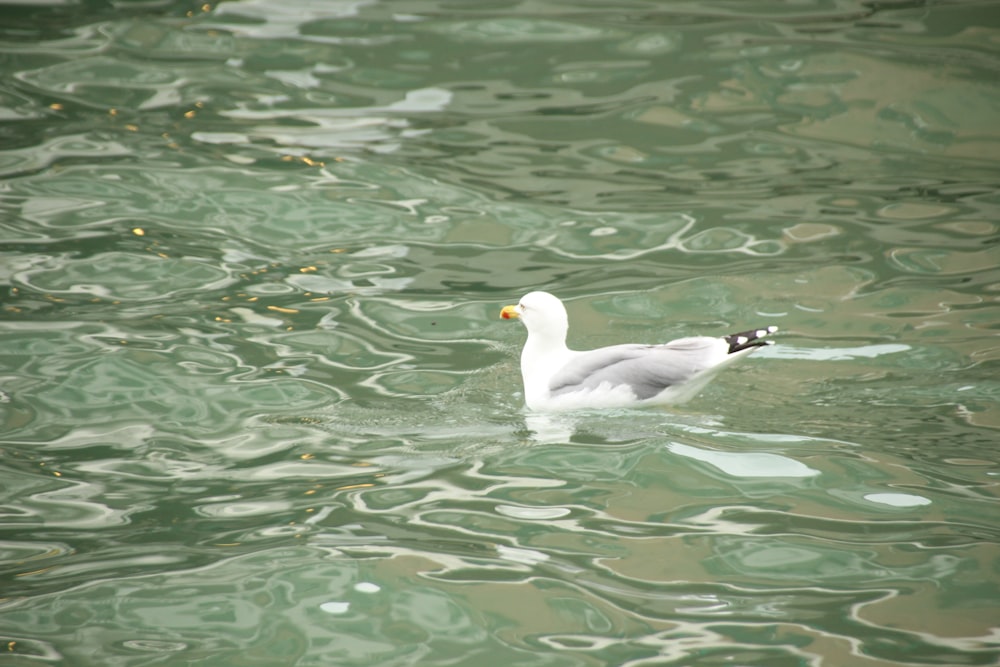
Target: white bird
(632,375)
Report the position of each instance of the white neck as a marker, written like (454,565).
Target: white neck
(543,354)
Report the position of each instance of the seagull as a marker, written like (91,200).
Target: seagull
(618,376)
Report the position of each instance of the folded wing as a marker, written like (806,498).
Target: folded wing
(646,369)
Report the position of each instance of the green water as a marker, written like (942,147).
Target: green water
(257,406)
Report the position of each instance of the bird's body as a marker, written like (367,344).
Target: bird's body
(631,375)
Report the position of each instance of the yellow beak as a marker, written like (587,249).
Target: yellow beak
(509,312)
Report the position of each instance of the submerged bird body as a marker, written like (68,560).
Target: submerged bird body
(558,378)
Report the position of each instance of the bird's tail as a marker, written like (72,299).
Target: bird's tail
(747,339)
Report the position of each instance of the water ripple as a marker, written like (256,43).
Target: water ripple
(257,406)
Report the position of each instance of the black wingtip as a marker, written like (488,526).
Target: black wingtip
(747,339)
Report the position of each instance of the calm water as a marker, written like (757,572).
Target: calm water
(257,408)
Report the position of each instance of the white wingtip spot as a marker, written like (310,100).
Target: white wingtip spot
(740,340)
(760,333)
(772,329)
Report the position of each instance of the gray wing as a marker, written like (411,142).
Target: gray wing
(646,369)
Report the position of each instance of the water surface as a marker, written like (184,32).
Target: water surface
(256,406)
